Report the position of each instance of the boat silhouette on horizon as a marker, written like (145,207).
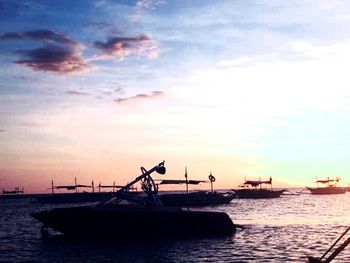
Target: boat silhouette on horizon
(331,187)
(194,198)
(253,189)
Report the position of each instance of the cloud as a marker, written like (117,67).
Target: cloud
(26,78)
(140,96)
(40,35)
(53,58)
(103,26)
(79,93)
(59,53)
(143,5)
(1,130)
(121,47)
(119,90)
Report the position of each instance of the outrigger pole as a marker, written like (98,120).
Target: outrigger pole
(335,252)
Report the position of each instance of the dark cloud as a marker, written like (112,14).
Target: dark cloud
(140,96)
(60,53)
(40,35)
(1,130)
(79,93)
(120,47)
(53,58)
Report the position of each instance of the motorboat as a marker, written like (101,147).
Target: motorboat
(255,190)
(331,187)
(129,215)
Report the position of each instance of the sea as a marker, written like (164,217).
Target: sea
(285,229)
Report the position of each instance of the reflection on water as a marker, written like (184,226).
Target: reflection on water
(277,230)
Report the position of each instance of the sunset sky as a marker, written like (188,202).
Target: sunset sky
(245,89)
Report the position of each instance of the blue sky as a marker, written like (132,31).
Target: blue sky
(244,88)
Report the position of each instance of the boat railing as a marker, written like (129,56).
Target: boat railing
(149,187)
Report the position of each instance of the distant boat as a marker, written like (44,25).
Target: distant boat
(66,198)
(196,198)
(76,197)
(254,190)
(130,216)
(331,187)
(17,193)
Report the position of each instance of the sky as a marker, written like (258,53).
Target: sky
(242,89)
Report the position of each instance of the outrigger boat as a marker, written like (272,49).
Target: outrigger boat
(17,193)
(254,190)
(76,197)
(332,187)
(127,215)
(196,198)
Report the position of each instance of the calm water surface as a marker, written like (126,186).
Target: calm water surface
(286,229)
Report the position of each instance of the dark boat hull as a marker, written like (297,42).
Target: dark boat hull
(65,198)
(131,222)
(327,190)
(258,193)
(201,198)
(20,196)
(169,200)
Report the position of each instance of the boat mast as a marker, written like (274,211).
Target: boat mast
(75,184)
(186,179)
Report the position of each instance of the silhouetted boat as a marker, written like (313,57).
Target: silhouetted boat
(128,215)
(76,197)
(17,193)
(196,198)
(70,198)
(254,190)
(331,187)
